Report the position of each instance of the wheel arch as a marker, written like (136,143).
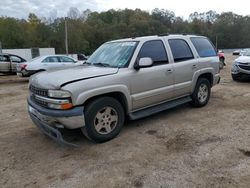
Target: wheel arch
(121,94)
(208,75)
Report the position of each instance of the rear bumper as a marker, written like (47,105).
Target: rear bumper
(24,72)
(70,119)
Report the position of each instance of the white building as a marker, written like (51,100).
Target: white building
(30,53)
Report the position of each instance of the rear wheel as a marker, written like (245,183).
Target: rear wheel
(201,94)
(104,118)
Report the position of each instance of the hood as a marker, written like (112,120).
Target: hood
(57,78)
(243,59)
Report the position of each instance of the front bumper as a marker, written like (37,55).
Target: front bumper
(236,69)
(70,119)
(216,79)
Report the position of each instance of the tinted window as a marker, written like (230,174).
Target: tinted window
(4,58)
(204,47)
(66,60)
(51,60)
(180,50)
(155,50)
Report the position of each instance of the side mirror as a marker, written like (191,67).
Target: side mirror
(143,63)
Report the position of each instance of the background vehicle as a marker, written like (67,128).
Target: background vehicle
(44,63)
(222,59)
(241,67)
(133,77)
(8,62)
(236,52)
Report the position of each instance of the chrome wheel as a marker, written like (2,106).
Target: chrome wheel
(203,93)
(106,120)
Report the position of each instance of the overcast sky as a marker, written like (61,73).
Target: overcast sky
(54,8)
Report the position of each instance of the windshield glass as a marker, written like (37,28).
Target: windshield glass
(247,53)
(114,54)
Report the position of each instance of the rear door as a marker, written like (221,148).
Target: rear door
(184,65)
(14,61)
(5,65)
(51,62)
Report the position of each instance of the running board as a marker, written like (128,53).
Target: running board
(158,108)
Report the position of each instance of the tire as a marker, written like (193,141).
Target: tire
(104,119)
(235,77)
(201,94)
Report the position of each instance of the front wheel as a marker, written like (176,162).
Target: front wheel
(104,118)
(235,77)
(201,94)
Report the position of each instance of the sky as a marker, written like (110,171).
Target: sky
(59,8)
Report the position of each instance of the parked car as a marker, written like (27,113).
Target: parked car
(8,62)
(222,59)
(134,78)
(241,67)
(236,52)
(45,63)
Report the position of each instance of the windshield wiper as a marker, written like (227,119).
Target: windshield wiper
(102,64)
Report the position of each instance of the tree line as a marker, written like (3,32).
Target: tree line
(87,30)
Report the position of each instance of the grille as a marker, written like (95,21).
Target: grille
(39,102)
(245,67)
(39,91)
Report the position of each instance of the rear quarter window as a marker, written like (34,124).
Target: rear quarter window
(204,47)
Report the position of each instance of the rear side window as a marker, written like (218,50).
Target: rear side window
(204,47)
(155,50)
(180,50)
(51,60)
(66,60)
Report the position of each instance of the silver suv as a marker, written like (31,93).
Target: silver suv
(134,78)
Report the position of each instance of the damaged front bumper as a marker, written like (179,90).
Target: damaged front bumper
(51,121)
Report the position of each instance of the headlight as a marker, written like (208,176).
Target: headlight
(59,94)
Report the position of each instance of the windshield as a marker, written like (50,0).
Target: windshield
(247,53)
(114,54)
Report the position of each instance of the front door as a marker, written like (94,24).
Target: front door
(152,85)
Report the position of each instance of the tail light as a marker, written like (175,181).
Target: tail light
(23,66)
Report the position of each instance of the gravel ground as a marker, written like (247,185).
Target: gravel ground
(182,147)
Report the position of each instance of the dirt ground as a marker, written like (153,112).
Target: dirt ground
(182,147)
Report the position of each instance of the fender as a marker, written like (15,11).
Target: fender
(83,97)
(198,74)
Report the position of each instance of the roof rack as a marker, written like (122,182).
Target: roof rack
(163,34)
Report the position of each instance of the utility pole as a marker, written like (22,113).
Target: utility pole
(66,37)
(216,42)
(1,51)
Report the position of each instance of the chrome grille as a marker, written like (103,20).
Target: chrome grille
(39,91)
(245,67)
(39,102)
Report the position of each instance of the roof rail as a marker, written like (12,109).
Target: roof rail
(163,34)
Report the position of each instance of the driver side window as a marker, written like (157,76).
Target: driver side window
(155,50)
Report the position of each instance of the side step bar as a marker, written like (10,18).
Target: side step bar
(158,108)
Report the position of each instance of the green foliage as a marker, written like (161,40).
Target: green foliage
(88,30)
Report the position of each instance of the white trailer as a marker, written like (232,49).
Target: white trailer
(30,53)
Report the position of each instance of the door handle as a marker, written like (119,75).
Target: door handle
(169,70)
(194,66)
